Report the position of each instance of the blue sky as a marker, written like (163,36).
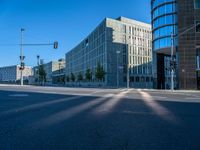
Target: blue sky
(67,21)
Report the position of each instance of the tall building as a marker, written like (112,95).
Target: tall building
(175,24)
(12,73)
(118,45)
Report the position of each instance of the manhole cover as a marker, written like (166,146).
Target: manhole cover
(18,95)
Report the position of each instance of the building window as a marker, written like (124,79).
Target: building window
(86,42)
(198,58)
(197,4)
(198,26)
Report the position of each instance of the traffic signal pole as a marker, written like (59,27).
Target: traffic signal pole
(172,59)
(21,58)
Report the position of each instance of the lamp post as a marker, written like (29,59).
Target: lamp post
(38,69)
(118,52)
(172,60)
(127,67)
(22,58)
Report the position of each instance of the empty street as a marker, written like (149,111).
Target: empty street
(51,118)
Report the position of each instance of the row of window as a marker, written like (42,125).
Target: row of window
(159,2)
(165,31)
(139,79)
(139,51)
(162,43)
(165,9)
(140,70)
(169,19)
(139,41)
(138,31)
(135,60)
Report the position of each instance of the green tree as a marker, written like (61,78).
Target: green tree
(73,78)
(42,74)
(100,73)
(88,75)
(80,77)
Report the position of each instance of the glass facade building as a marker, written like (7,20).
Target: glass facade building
(164,22)
(179,18)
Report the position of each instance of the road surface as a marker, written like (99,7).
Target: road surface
(49,118)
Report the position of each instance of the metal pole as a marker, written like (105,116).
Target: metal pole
(21,58)
(127,67)
(38,69)
(172,69)
(118,69)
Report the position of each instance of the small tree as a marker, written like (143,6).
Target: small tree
(80,77)
(88,75)
(100,73)
(42,74)
(73,78)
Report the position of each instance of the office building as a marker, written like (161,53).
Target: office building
(122,46)
(51,69)
(13,73)
(175,24)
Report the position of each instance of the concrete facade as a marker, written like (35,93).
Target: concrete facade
(121,41)
(50,68)
(12,73)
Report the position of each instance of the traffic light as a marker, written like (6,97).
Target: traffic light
(55,45)
(22,66)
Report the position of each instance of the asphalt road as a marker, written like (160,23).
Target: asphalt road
(47,118)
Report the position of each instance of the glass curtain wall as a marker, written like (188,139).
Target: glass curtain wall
(164,21)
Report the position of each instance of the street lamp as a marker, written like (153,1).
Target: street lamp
(22,65)
(38,69)
(128,76)
(118,52)
(172,60)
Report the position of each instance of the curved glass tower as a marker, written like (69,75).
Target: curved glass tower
(164,24)
(178,18)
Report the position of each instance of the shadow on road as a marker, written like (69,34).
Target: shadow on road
(53,121)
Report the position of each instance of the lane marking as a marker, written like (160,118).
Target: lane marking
(18,95)
(193,98)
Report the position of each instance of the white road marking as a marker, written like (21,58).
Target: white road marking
(18,95)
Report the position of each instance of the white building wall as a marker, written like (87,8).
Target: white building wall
(12,73)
